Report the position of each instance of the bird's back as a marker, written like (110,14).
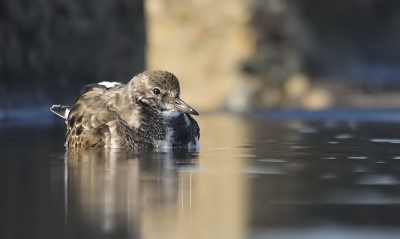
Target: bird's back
(90,119)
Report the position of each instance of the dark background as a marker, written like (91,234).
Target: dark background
(355,41)
(50,49)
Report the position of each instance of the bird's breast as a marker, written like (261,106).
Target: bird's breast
(161,130)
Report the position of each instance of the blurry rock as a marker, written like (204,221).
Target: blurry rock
(299,93)
(296,86)
(204,44)
(241,99)
(317,99)
(271,98)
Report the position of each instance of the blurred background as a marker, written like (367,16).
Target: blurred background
(315,155)
(234,55)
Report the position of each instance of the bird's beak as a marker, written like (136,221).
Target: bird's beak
(182,106)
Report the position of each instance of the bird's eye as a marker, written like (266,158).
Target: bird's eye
(156,91)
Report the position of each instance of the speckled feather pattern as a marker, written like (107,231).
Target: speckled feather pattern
(130,116)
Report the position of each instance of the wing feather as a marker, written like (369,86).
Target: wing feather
(61,111)
(88,118)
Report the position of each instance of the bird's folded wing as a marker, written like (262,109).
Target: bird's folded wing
(88,118)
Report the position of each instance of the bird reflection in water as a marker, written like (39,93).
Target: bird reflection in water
(121,191)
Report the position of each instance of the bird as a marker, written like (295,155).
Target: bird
(146,112)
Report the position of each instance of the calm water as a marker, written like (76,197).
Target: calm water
(334,175)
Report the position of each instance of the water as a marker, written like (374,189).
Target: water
(256,176)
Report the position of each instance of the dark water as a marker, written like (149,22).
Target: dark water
(258,176)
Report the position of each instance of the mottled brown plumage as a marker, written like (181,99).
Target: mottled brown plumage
(146,112)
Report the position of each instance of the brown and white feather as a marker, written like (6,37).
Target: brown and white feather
(114,115)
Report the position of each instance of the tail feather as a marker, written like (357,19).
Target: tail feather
(61,111)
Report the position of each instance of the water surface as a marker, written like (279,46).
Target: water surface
(256,176)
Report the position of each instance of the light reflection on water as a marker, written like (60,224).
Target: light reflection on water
(124,192)
(252,178)
(158,194)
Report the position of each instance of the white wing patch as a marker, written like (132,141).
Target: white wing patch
(109,85)
(62,111)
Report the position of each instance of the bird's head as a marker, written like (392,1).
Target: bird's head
(160,90)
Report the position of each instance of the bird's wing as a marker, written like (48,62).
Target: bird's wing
(89,119)
(61,111)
